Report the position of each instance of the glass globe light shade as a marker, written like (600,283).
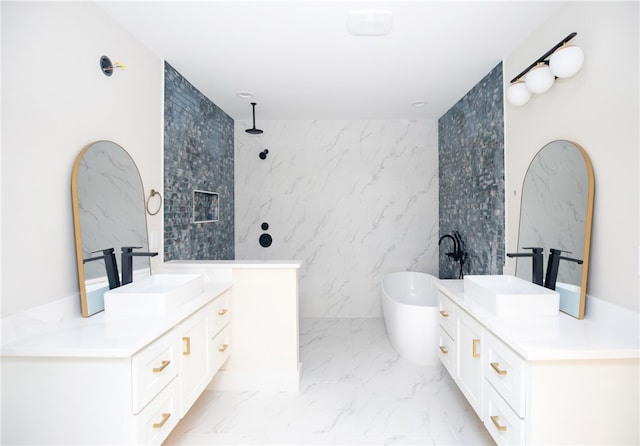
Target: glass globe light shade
(518,94)
(540,79)
(566,61)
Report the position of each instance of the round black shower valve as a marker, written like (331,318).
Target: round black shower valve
(265,240)
(263,154)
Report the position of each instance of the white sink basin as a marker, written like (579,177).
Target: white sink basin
(154,294)
(510,296)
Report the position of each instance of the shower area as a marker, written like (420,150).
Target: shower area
(352,200)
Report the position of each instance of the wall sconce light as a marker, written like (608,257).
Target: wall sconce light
(561,61)
(107,67)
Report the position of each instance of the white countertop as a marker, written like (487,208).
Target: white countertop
(107,336)
(560,337)
(240,264)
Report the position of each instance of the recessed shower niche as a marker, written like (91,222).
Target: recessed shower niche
(205,206)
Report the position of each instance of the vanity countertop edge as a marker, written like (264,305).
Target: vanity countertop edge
(108,336)
(238,264)
(560,337)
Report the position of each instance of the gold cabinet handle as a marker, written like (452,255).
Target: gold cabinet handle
(223,312)
(223,347)
(164,365)
(444,313)
(165,417)
(475,348)
(187,341)
(496,367)
(444,350)
(500,427)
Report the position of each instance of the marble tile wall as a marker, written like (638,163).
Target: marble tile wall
(471,161)
(198,155)
(352,200)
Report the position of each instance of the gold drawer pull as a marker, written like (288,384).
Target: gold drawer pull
(500,427)
(164,365)
(475,348)
(444,313)
(223,347)
(165,417)
(444,350)
(496,367)
(187,341)
(223,312)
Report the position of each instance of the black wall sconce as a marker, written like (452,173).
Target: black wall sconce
(263,154)
(107,67)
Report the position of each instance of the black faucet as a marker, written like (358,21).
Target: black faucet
(536,273)
(456,248)
(127,261)
(110,264)
(458,254)
(552,267)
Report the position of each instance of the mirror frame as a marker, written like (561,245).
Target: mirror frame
(77,227)
(588,221)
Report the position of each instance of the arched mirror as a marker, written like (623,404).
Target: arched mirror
(556,213)
(108,213)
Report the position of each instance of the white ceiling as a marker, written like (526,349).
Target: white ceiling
(298,60)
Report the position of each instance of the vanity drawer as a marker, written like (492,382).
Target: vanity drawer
(446,350)
(501,421)
(152,369)
(219,313)
(220,349)
(446,316)
(157,420)
(505,371)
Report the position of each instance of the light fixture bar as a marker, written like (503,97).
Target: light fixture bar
(544,56)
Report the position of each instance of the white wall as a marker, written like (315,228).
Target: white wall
(55,100)
(597,109)
(352,200)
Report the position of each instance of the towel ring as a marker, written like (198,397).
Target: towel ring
(152,194)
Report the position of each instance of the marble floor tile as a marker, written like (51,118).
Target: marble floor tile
(355,390)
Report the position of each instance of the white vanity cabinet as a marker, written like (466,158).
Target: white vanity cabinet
(219,331)
(113,379)
(469,359)
(550,380)
(194,367)
(504,399)
(447,333)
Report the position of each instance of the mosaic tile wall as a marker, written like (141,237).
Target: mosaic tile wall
(198,155)
(471,162)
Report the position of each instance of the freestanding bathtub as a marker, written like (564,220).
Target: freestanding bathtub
(410,308)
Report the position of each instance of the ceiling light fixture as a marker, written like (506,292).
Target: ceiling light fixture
(254,130)
(244,95)
(369,22)
(419,103)
(561,61)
